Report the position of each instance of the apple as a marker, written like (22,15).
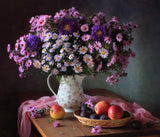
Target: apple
(115,112)
(57,112)
(101,107)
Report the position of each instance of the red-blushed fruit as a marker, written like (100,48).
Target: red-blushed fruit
(57,112)
(115,112)
(101,107)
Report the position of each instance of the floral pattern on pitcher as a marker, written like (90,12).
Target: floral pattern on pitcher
(70,93)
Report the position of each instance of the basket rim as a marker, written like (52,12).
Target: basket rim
(98,120)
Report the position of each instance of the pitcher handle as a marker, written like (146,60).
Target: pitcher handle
(49,86)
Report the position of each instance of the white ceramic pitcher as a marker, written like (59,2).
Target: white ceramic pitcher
(70,93)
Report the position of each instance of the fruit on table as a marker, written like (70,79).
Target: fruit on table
(136,124)
(115,112)
(101,107)
(57,112)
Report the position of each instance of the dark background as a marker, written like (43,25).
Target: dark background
(142,84)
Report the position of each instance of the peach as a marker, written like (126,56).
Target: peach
(57,112)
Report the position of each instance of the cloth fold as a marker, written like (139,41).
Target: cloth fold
(24,124)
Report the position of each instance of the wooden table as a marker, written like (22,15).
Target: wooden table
(71,127)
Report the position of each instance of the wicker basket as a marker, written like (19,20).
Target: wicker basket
(102,123)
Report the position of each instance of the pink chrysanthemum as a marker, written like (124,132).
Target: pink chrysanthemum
(90,64)
(113,60)
(99,67)
(84,28)
(96,129)
(8,48)
(133,54)
(56,124)
(97,45)
(112,80)
(90,48)
(119,37)
(28,63)
(78,68)
(108,40)
(86,37)
(96,21)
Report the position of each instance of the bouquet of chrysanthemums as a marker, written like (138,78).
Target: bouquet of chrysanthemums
(71,43)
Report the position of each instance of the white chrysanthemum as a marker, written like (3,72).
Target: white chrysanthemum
(87,58)
(75,46)
(76,34)
(64,37)
(46,39)
(54,36)
(42,62)
(59,42)
(46,45)
(51,62)
(103,53)
(48,58)
(63,68)
(72,63)
(71,56)
(61,50)
(44,50)
(37,64)
(67,44)
(49,35)
(55,46)
(59,65)
(51,50)
(45,68)
(54,71)
(83,50)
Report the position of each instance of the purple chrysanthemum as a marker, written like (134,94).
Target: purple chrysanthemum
(98,32)
(67,26)
(34,42)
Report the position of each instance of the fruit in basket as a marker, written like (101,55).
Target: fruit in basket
(57,112)
(94,116)
(104,117)
(101,107)
(84,107)
(115,112)
(84,114)
(126,114)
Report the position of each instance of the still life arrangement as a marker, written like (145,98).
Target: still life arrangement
(70,44)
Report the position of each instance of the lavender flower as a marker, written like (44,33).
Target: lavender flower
(67,26)
(89,103)
(96,129)
(98,32)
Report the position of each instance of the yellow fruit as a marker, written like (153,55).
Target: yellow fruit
(57,112)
